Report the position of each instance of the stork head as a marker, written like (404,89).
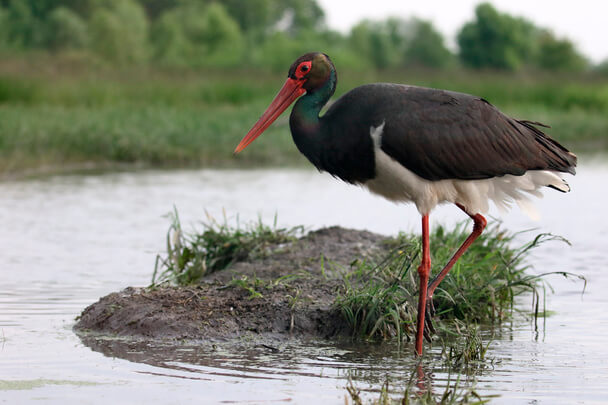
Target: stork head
(308,73)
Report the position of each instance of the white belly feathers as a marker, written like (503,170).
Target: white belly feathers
(396,183)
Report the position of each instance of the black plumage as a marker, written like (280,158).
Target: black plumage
(436,134)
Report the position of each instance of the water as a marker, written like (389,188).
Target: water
(67,240)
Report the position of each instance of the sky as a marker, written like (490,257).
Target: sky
(584,22)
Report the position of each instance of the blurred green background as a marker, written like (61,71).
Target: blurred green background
(89,84)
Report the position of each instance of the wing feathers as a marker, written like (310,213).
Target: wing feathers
(464,139)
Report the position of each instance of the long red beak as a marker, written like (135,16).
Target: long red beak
(291,90)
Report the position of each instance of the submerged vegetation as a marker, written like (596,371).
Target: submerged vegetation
(419,392)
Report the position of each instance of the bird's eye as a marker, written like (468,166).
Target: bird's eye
(303,69)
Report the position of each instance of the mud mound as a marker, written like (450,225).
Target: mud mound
(289,292)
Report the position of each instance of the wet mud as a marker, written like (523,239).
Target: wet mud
(288,293)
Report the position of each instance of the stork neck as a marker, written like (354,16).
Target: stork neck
(305,114)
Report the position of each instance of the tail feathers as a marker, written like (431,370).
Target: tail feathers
(557,157)
(550,179)
(562,186)
(506,190)
(528,208)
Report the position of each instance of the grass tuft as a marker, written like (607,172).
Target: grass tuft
(250,285)
(189,257)
(379,301)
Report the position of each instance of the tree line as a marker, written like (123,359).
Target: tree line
(271,33)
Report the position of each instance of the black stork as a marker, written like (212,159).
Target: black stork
(420,145)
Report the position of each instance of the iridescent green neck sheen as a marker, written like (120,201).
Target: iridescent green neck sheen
(305,114)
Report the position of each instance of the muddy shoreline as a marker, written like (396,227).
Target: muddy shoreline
(287,293)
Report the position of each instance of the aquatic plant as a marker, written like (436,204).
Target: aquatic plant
(418,391)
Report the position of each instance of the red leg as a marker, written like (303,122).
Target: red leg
(423,272)
(478,227)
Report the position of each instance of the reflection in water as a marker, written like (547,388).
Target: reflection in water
(368,367)
(421,380)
